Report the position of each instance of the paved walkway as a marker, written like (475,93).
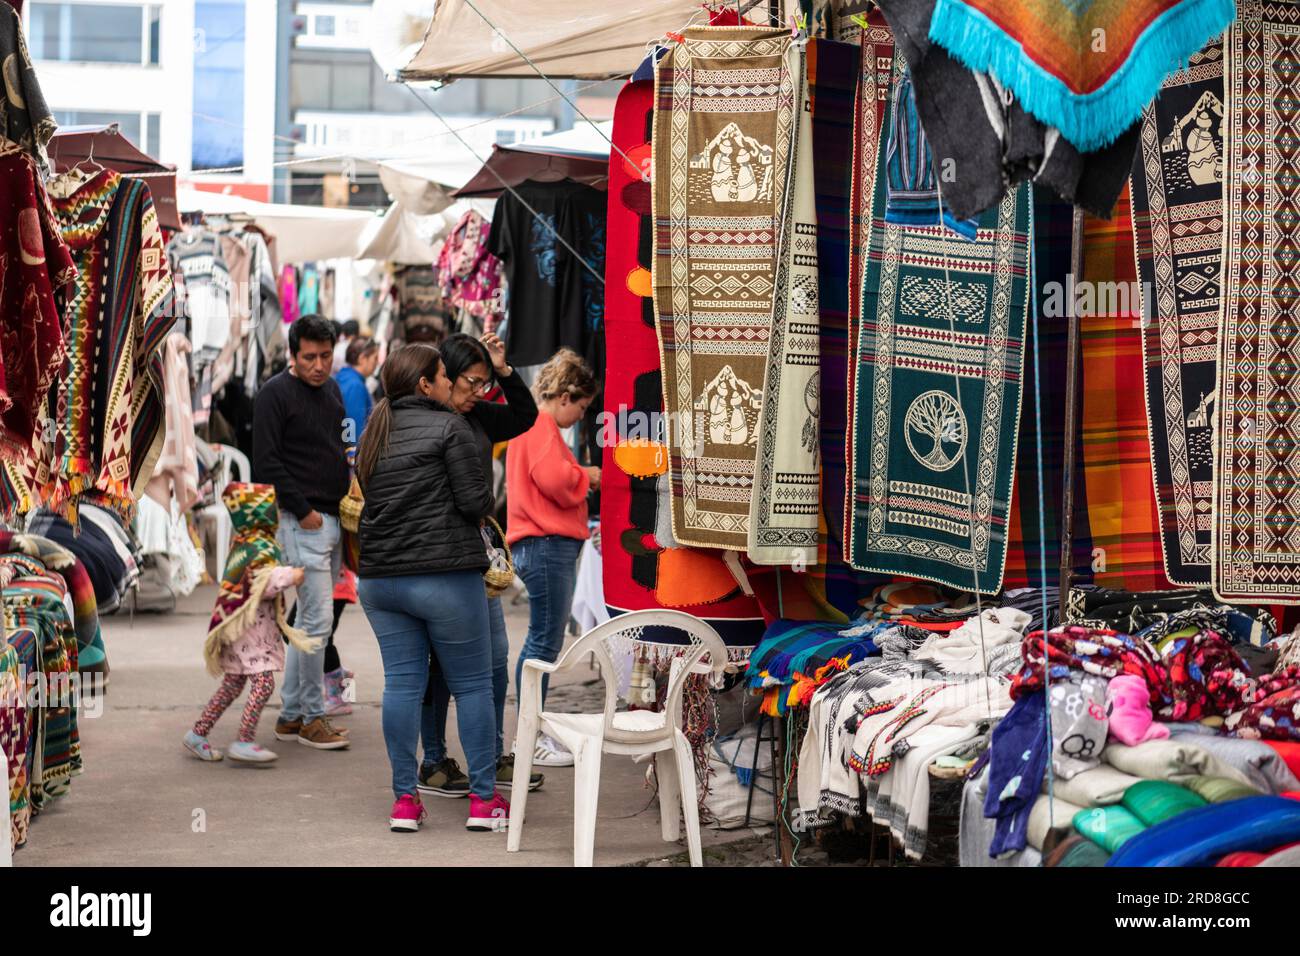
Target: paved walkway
(143,801)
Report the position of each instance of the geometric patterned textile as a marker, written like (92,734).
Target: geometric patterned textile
(939,393)
(786,502)
(1257,481)
(724,121)
(1178,225)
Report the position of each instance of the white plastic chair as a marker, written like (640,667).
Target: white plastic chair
(634,733)
(226,458)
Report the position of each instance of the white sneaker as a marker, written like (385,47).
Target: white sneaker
(551,753)
(250,753)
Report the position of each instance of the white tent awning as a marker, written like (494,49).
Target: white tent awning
(302,233)
(583,39)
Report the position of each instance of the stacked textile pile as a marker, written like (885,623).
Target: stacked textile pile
(875,728)
(1146,730)
(39,693)
(796,657)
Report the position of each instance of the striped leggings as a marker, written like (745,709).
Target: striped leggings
(259,693)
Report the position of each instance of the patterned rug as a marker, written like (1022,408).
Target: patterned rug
(938,394)
(1257,519)
(1178,224)
(642,569)
(786,502)
(724,121)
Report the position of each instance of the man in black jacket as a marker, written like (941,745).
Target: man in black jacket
(298,448)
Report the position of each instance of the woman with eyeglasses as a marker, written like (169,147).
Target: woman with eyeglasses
(474,367)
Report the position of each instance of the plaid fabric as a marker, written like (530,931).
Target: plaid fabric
(1118,491)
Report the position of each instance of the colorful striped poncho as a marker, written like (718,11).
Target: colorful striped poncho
(1087,67)
(105,411)
(795,657)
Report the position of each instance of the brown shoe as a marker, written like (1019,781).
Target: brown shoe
(320,733)
(287,729)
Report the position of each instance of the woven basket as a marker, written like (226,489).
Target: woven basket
(350,508)
(496,580)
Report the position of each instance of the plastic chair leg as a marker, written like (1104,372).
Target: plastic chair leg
(222,542)
(525,744)
(670,795)
(690,798)
(586,795)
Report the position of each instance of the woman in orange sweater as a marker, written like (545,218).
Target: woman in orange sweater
(546,516)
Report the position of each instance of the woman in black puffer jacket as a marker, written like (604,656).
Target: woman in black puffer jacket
(421,575)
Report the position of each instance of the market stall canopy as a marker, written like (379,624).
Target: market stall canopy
(425,186)
(576,39)
(581,153)
(302,233)
(110,149)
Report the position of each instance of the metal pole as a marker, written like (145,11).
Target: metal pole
(1071,412)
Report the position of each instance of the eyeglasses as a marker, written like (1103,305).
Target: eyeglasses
(478,385)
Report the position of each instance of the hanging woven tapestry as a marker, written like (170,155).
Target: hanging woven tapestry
(877,42)
(785,507)
(724,118)
(1178,225)
(643,567)
(1257,516)
(938,393)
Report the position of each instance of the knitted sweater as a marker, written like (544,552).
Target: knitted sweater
(547,489)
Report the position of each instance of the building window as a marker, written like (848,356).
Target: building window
(506,136)
(219,85)
(96,32)
(324,26)
(142,129)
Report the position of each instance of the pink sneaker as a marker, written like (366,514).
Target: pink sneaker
(488,815)
(407,815)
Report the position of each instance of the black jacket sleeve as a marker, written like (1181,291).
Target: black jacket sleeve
(268,452)
(469,489)
(516,416)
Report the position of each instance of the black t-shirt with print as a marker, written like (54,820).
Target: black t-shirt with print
(554,300)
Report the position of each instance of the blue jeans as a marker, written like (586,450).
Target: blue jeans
(549,569)
(433,720)
(414,616)
(319,554)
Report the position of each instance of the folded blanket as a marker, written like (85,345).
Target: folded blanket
(1288,857)
(1173,760)
(1219,790)
(1201,836)
(1095,788)
(1258,764)
(1289,751)
(975,832)
(1108,827)
(1155,801)
(1076,851)
(1050,822)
